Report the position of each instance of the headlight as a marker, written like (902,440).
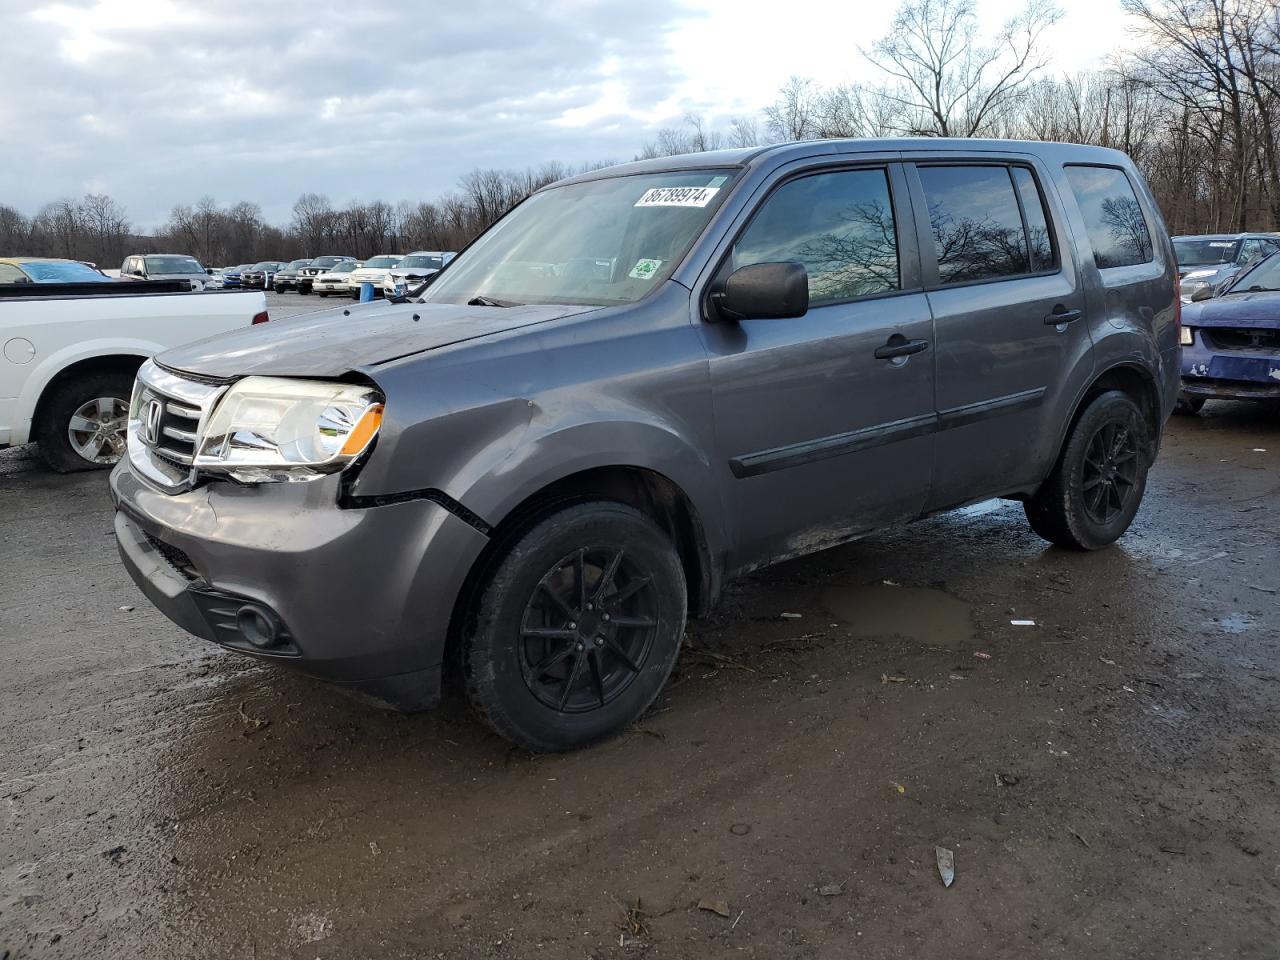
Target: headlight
(1187,338)
(272,429)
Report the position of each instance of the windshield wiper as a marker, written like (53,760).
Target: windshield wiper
(480,300)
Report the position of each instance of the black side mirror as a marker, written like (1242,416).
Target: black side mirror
(1202,293)
(764,291)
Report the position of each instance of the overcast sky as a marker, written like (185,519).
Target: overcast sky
(158,102)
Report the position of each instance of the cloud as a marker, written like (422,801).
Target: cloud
(159,102)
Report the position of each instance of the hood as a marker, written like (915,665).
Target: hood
(332,342)
(1261,309)
(1213,271)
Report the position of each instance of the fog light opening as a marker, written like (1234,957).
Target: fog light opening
(258,626)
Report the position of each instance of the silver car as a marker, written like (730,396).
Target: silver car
(1208,263)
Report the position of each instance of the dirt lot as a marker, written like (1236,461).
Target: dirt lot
(1107,778)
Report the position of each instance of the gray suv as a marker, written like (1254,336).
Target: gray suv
(638,384)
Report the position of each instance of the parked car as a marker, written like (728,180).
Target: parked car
(48,270)
(414,269)
(215,281)
(1211,262)
(165,266)
(335,279)
(644,381)
(261,274)
(71,352)
(374,270)
(306,277)
(1231,342)
(231,275)
(287,278)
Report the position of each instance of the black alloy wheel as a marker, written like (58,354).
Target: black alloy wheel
(575,626)
(1110,474)
(587,629)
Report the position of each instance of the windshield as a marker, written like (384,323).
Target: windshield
(382,262)
(297,263)
(596,243)
(431,263)
(167,266)
(326,261)
(1265,275)
(69,272)
(345,266)
(1205,253)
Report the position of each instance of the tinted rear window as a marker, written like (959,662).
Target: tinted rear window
(975,221)
(1112,216)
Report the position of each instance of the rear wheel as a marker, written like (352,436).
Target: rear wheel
(83,422)
(1096,488)
(1188,406)
(577,629)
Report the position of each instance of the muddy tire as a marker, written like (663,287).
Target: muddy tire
(82,422)
(1097,485)
(577,628)
(1188,406)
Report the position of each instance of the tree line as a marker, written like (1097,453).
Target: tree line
(1196,104)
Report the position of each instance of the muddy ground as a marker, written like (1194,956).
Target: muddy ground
(1107,778)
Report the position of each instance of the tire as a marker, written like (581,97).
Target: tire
(302,292)
(1188,406)
(321,293)
(551,687)
(1109,447)
(84,398)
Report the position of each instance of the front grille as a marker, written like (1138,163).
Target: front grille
(165,419)
(1242,338)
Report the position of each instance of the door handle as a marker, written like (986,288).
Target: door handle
(1061,314)
(900,346)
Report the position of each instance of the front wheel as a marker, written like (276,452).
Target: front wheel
(321,293)
(1096,488)
(577,629)
(83,422)
(1188,406)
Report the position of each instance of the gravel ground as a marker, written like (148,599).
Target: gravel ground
(1106,778)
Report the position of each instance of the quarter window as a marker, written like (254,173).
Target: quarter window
(1112,216)
(1039,242)
(839,225)
(976,225)
(11,274)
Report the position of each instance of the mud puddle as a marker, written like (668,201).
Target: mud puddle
(928,616)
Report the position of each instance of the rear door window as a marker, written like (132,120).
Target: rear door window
(976,223)
(1113,217)
(839,225)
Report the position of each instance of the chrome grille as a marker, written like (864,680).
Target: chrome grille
(165,419)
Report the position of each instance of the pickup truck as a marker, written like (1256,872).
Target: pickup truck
(69,353)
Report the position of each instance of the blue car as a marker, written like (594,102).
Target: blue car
(231,275)
(1231,343)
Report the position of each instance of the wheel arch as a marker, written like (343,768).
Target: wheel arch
(1133,379)
(127,363)
(652,493)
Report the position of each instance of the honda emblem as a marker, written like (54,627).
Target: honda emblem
(150,426)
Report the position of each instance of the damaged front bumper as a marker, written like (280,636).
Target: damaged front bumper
(362,597)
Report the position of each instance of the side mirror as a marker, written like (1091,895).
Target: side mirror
(1202,293)
(764,291)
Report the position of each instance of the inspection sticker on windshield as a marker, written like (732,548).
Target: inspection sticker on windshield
(644,269)
(677,196)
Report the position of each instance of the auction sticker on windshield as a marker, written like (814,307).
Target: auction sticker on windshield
(677,196)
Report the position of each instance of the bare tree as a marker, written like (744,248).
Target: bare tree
(944,80)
